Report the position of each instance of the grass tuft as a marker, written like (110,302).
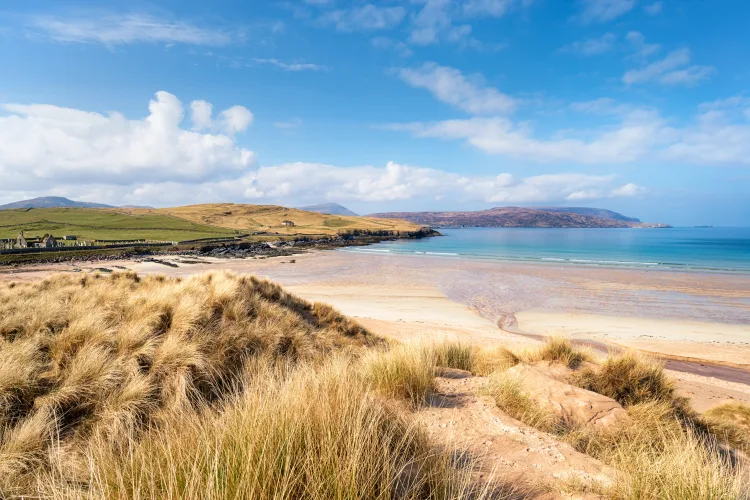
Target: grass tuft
(730,422)
(510,396)
(628,378)
(558,350)
(405,371)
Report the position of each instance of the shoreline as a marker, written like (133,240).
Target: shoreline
(552,262)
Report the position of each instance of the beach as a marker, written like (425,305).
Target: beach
(700,317)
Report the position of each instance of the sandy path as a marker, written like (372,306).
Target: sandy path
(502,450)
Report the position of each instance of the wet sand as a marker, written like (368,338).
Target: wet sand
(699,317)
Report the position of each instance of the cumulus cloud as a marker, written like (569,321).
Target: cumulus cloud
(674,69)
(604,10)
(50,150)
(119,29)
(452,87)
(42,145)
(201,112)
(299,183)
(235,119)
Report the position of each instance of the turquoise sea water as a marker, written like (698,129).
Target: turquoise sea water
(706,249)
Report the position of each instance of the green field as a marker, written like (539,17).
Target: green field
(97,224)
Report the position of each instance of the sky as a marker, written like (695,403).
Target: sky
(638,106)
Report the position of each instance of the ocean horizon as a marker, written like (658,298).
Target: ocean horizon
(717,249)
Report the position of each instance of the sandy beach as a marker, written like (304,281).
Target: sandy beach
(704,317)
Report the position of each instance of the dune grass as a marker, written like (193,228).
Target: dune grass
(404,371)
(629,378)
(468,357)
(657,456)
(510,395)
(307,433)
(730,422)
(557,350)
(217,386)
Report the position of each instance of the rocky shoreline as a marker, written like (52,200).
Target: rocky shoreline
(227,250)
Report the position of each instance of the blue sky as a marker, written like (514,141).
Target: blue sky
(640,106)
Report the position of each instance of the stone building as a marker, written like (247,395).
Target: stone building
(48,241)
(21,241)
(287,223)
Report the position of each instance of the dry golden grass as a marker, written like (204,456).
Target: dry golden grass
(301,432)
(510,395)
(268,218)
(468,357)
(657,456)
(218,386)
(730,422)
(631,378)
(557,350)
(404,371)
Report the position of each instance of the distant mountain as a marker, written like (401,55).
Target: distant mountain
(52,202)
(511,217)
(328,208)
(595,212)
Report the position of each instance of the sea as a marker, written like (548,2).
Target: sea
(689,249)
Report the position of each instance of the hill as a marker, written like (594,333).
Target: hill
(329,208)
(269,218)
(103,224)
(183,223)
(505,217)
(595,212)
(51,202)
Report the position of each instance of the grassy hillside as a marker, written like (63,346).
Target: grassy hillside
(103,224)
(182,223)
(269,217)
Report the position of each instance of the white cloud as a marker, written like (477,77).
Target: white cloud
(631,140)
(604,10)
(653,9)
(201,112)
(718,135)
(118,29)
(44,145)
(495,8)
(671,70)
(591,46)
(368,17)
(434,24)
(298,183)
(629,189)
(451,86)
(642,49)
(289,66)
(235,119)
(384,42)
